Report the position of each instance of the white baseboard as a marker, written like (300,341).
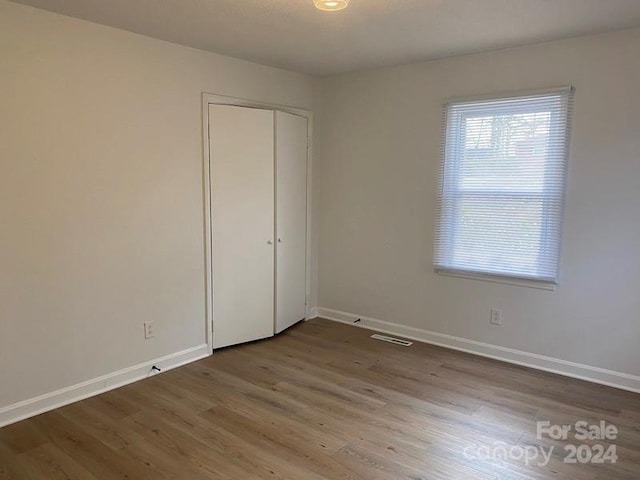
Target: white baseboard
(49,401)
(313,313)
(598,375)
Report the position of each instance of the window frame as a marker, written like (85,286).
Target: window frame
(449,185)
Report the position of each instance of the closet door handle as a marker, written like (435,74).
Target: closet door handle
(279,240)
(270,242)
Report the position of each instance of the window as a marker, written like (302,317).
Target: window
(503,185)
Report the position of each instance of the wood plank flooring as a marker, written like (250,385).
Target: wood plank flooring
(324,401)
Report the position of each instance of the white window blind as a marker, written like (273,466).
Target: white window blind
(503,185)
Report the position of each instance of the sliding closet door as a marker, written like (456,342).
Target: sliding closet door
(291,219)
(242,189)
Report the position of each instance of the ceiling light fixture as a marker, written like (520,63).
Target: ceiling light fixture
(331,5)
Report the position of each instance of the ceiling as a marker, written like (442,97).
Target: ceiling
(292,34)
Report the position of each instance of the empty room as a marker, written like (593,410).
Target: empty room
(320,239)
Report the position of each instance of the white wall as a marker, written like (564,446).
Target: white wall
(380,152)
(101,196)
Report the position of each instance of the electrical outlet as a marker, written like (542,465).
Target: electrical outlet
(496,317)
(149,330)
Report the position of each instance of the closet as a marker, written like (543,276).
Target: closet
(258,175)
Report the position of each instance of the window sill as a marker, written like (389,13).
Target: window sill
(518,282)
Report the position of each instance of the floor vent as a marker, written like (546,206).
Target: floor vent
(397,341)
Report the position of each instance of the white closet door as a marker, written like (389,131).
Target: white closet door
(291,219)
(242,188)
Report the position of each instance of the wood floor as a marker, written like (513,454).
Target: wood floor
(324,401)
